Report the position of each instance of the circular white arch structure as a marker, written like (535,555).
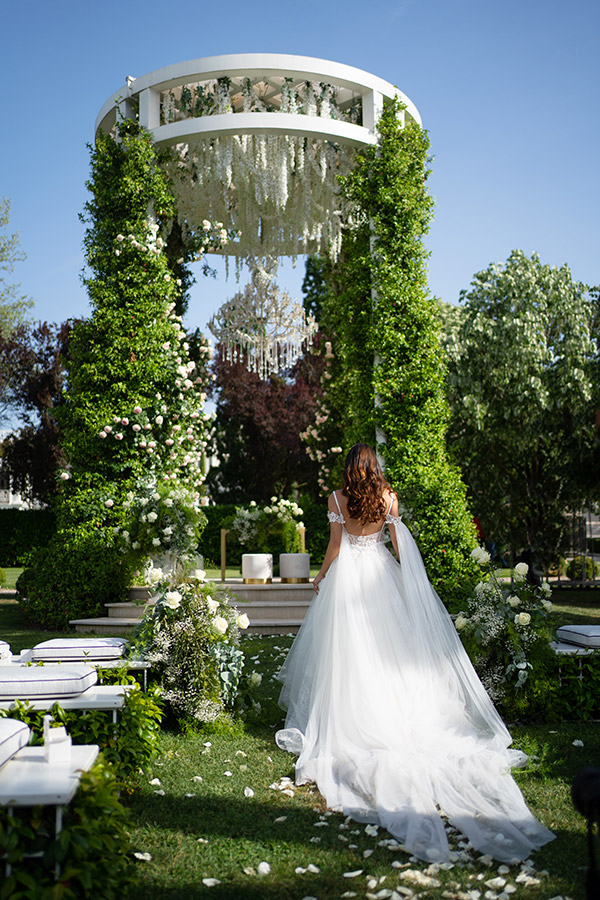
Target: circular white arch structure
(258,140)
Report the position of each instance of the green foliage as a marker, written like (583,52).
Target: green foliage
(93,849)
(575,689)
(2,576)
(63,586)
(386,378)
(13,304)
(22,532)
(190,636)
(524,387)
(130,745)
(507,635)
(270,529)
(132,421)
(582,568)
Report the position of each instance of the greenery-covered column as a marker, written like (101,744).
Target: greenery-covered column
(403,393)
(132,424)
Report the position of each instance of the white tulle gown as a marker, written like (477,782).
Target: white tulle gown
(387,715)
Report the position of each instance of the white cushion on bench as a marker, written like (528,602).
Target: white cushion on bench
(97,648)
(5,650)
(581,635)
(36,682)
(13,736)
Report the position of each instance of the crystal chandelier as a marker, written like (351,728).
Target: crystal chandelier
(261,325)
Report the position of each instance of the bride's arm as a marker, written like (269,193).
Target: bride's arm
(394,512)
(333,547)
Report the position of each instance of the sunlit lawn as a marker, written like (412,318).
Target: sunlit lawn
(214,829)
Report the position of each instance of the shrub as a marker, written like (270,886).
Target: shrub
(130,745)
(23,532)
(2,576)
(62,587)
(93,849)
(582,568)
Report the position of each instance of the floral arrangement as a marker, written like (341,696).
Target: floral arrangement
(164,521)
(506,631)
(257,528)
(190,634)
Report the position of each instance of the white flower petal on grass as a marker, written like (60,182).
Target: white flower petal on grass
(349,894)
(280,819)
(309,898)
(578,743)
(160,792)
(367,853)
(228,773)
(371,830)
(155,781)
(315,840)
(240,753)
(263,869)
(299,870)
(353,874)
(243,768)
(208,743)
(197,778)
(145,857)
(189,795)
(248,792)
(201,840)
(312,868)
(210,882)
(288,792)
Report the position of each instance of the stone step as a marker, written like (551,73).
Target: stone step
(113,627)
(107,625)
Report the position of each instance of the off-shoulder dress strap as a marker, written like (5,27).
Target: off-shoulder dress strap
(336,516)
(390,519)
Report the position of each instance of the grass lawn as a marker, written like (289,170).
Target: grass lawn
(200,822)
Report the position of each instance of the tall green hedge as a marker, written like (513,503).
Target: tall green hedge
(387,372)
(22,532)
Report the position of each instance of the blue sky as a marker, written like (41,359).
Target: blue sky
(508,92)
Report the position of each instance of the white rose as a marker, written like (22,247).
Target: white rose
(242,621)
(547,604)
(213,605)
(546,589)
(480,556)
(460,622)
(155,542)
(220,624)
(255,679)
(480,587)
(199,574)
(155,575)
(522,618)
(152,517)
(173,599)
(521,569)
(513,600)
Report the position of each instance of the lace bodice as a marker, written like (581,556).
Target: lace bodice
(363,541)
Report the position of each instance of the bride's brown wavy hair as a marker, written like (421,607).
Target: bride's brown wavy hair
(364,485)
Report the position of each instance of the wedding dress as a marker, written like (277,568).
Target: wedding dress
(387,715)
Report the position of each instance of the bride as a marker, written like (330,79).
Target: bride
(384,708)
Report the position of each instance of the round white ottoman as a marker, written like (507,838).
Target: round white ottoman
(294,568)
(257,568)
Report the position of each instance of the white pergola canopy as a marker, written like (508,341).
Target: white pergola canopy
(259,139)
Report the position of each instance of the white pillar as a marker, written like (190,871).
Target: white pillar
(149,109)
(372,108)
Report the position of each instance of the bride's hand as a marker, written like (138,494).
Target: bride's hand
(316,581)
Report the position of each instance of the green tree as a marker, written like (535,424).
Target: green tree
(386,375)
(13,303)
(523,381)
